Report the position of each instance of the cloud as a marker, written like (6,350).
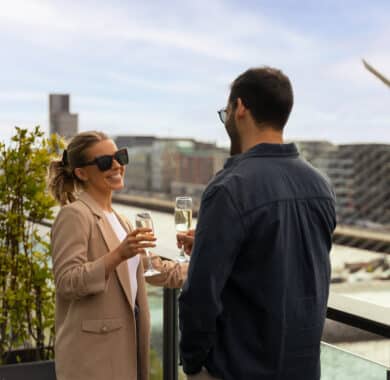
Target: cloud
(21,96)
(217,34)
(161,86)
(101,103)
(149,66)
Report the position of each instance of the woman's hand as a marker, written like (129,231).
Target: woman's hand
(136,242)
(133,244)
(186,240)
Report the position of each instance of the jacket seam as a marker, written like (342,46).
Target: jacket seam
(267,155)
(287,200)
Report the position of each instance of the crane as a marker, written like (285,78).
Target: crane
(380,76)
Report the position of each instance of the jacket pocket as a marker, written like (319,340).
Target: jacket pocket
(101,326)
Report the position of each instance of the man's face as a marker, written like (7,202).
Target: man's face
(232,131)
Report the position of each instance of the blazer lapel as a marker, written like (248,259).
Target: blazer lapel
(124,277)
(124,222)
(122,269)
(111,241)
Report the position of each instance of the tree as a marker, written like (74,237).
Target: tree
(26,280)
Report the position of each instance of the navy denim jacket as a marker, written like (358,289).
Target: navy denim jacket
(254,304)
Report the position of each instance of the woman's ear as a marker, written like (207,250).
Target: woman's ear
(81,174)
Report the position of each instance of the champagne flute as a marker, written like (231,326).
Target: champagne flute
(144,220)
(183,221)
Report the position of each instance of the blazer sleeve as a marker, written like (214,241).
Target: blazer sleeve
(172,274)
(74,275)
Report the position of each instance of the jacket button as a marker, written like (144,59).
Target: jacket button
(103,329)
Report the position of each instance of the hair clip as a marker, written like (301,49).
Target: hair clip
(64,160)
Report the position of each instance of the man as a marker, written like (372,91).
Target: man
(254,304)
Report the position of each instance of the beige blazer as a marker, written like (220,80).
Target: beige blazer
(96,334)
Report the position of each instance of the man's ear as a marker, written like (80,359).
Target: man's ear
(81,174)
(240,108)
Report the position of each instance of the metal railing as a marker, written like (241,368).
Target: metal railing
(170,335)
(341,314)
(338,310)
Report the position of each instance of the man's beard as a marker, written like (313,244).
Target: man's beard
(235,139)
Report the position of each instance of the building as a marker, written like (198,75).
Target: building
(130,141)
(165,162)
(61,120)
(137,176)
(169,166)
(360,174)
(364,178)
(316,151)
(138,173)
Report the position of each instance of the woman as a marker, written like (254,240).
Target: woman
(102,314)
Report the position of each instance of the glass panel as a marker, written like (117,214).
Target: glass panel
(356,341)
(340,364)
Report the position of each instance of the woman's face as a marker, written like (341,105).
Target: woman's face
(102,181)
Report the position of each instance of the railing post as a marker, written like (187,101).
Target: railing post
(170,335)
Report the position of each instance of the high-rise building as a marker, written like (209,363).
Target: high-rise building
(360,174)
(364,170)
(61,120)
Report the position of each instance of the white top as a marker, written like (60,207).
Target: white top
(132,262)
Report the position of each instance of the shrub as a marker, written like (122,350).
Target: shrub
(26,280)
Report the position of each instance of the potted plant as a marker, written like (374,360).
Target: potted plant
(26,280)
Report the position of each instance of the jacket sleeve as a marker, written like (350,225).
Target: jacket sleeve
(172,274)
(74,275)
(218,238)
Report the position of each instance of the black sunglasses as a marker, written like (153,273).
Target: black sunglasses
(104,163)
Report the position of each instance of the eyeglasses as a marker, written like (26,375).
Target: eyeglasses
(222,113)
(104,163)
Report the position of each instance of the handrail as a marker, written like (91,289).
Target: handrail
(355,313)
(358,322)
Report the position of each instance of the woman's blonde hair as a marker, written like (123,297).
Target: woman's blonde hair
(63,183)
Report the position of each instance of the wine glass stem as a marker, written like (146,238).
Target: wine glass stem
(149,260)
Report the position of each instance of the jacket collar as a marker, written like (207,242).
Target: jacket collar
(265,150)
(91,203)
(97,210)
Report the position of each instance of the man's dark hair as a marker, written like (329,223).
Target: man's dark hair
(267,93)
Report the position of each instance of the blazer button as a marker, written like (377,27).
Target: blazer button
(103,329)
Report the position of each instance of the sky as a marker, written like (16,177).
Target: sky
(164,67)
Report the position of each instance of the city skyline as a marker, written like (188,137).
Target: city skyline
(156,70)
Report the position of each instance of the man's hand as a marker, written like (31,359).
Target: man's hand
(186,241)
